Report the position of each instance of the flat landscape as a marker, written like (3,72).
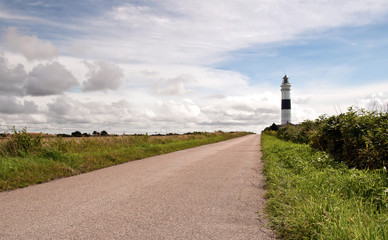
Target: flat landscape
(208,192)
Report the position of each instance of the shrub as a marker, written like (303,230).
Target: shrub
(359,138)
(22,143)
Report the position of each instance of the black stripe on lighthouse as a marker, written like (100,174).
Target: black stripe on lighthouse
(286,103)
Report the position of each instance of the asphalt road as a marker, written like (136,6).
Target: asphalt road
(209,192)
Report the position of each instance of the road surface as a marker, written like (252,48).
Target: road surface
(209,192)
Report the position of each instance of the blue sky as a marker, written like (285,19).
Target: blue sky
(177,66)
(361,48)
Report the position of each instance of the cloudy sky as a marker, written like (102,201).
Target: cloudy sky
(139,66)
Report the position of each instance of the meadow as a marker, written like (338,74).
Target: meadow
(27,159)
(311,195)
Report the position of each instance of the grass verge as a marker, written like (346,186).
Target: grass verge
(26,160)
(311,196)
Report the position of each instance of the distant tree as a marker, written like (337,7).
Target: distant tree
(95,133)
(76,134)
(274,127)
(104,133)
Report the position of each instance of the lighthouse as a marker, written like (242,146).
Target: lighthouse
(286,101)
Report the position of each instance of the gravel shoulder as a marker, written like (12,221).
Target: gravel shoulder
(209,192)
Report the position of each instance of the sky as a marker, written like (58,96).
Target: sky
(175,66)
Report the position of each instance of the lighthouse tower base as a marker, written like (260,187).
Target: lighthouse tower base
(285,116)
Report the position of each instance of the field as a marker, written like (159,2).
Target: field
(313,196)
(27,159)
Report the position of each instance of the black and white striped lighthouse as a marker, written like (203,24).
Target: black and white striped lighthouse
(286,101)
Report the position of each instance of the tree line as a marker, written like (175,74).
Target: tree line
(79,134)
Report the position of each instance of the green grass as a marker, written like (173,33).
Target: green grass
(311,196)
(27,160)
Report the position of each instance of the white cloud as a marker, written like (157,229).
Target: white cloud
(67,109)
(12,16)
(11,79)
(11,105)
(219,100)
(250,110)
(173,86)
(173,111)
(181,80)
(375,102)
(31,47)
(103,75)
(202,32)
(336,99)
(49,79)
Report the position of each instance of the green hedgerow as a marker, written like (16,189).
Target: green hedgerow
(358,138)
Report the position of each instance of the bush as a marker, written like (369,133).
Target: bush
(22,143)
(359,138)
